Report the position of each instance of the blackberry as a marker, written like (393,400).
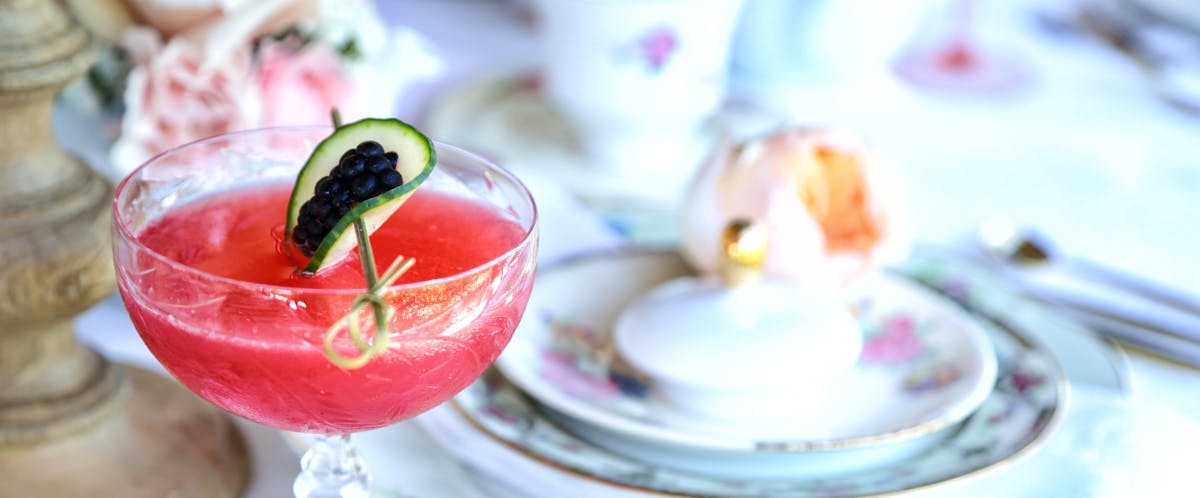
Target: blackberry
(391,179)
(300,235)
(354,166)
(324,187)
(342,161)
(319,208)
(379,164)
(341,198)
(361,174)
(336,188)
(365,187)
(370,148)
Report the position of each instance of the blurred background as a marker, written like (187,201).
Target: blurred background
(1076,121)
(1078,117)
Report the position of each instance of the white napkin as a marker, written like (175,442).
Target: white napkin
(1107,447)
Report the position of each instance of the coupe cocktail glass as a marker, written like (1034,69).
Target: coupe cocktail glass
(215,294)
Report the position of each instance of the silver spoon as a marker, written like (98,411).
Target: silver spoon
(1026,249)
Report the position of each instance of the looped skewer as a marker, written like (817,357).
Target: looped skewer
(380,308)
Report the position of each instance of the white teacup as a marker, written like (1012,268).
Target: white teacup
(637,78)
(821,41)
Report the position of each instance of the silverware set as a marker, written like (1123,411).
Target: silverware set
(1168,53)
(1116,304)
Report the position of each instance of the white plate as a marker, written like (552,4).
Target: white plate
(925,367)
(1106,446)
(1087,359)
(1025,406)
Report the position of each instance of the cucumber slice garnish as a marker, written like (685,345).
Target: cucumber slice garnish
(414,160)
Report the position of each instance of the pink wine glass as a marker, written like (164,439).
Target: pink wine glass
(958,62)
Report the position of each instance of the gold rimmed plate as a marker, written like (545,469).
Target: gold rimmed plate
(925,367)
(1024,406)
(1014,420)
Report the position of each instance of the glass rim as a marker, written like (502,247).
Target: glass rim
(122,226)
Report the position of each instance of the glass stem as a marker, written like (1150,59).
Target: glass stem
(332,469)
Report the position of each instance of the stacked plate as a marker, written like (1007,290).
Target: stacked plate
(953,381)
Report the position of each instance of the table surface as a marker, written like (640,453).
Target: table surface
(1087,153)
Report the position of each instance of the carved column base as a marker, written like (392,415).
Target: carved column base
(153,439)
(71,423)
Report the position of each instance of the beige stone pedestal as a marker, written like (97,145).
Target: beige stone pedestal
(71,423)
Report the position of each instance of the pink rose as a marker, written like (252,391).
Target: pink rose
(216,73)
(173,98)
(829,206)
(300,88)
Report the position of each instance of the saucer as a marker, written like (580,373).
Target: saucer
(758,350)
(1107,445)
(1087,358)
(1014,420)
(924,368)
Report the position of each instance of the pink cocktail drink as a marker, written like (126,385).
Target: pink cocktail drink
(279,375)
(216,294)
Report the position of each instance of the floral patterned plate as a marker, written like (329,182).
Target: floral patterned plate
(1025,405)
(1013,420)
(925,367)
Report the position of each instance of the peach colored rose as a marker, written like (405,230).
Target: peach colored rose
(194,18)
(829,206)
(170,17)
(300,88)
(239,20)
(172,98)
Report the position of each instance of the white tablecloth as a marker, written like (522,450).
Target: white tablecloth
(1087,153)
